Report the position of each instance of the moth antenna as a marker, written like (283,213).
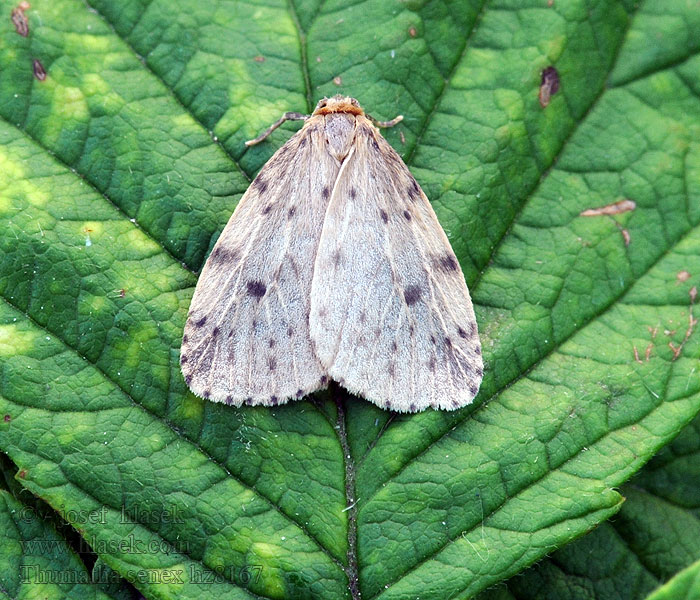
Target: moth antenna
(288,116)
(391,123)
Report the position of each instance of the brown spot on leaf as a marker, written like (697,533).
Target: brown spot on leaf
(39,71)
(549,85)
(19,19)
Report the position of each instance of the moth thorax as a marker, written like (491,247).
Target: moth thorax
(340,133)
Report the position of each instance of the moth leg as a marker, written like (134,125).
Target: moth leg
(391,123)
(288,116)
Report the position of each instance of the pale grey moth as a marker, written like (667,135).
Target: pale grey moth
(333,266)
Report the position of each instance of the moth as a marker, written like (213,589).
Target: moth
(333,266)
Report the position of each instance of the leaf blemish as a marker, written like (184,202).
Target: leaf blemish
(39,71)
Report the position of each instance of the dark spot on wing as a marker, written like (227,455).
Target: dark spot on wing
(273,400)
(260,184)
(256,288)
(291,212)
(411,329)
(183,359)
(201,322)
(431,363)
(447,263)
(412,294)
(473,389)
(188,379)
(336,257)
(461,332)
(249,400)
(385,217)
(229,400)
(432,339)
(375,144)
(394,347)
(271,363)
(290,332)
(387,404)
(479,371)
(300,393)
(390,370)
(325,192)
(448,342)
(230,333)
(353,193)
(477,350)
(184,339)
(302,142)
(271,343)
(455,404)
(267,209)
(215,331)
(206,394)
(413,190)
(407,215)
(412,407)
(221,254)
(324,380)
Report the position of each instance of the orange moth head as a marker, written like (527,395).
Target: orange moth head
(338,104)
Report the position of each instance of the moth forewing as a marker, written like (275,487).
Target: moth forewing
(246,338)
(333,265)
(391,316)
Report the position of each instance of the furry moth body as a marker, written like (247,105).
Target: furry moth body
(333,266)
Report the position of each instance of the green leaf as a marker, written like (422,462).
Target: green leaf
(684,586)
(651,539)
(121,167)
(35,561)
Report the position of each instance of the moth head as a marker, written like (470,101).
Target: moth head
(338,104)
